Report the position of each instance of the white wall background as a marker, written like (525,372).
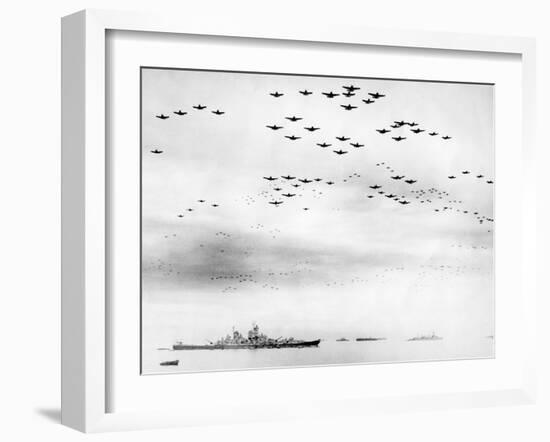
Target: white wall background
(30,221)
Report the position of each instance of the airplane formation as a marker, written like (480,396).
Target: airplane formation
(403,190)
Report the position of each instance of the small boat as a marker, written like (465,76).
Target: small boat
(432,337)
(165,363)
(342,340)
(369,338)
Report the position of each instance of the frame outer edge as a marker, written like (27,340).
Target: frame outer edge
(73,79)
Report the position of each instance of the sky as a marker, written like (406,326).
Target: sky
(349,264)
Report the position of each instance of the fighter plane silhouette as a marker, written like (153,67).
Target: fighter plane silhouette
(376,95)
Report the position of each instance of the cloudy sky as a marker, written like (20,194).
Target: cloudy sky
(348,264)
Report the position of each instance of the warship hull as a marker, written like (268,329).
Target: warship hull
(247,346)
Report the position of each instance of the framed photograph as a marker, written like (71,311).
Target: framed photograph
(275,222)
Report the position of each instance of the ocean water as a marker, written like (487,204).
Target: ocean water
(329,352)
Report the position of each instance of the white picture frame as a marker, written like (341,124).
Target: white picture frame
(85,211)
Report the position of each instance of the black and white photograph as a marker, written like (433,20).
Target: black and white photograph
(308,220)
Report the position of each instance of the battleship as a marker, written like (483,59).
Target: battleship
(369,338)
(254,340)
(432,337)
(342,340)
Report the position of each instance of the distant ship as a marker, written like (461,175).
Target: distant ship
(432,337)
(176,362)
(370,339)
(255,340)
(342,340)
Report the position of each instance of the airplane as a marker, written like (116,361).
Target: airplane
(157,151)
(277,189)
(163,117)
(490,182)
(356,145)
(433,134)
(199,107)
(348,106)
(412,124)
(351,88)
(189,210)
(410,181)
(343,138)
(215,205)
(479,176)
(404,202)
(381,192)
(368,101)
(370,196)
(397,177)
(324,145)
(417,131)
(383,131)
(376,95)
(293,118)
(275,203)
(305,181)
(330,94)
(391,195)
(292,137)
(218,112)
(269,178)
(276,94)
(312,128)
(348,94)
(399,138)
(306,208)
(330,183)
(180,216)
(376,186)
(179,112)
(317,179)
(201,201)
(275,127)
(452,177)
(395,126)
(340,152)
(295,185)
(288,177)
(306,92)
(446,137)
(289,195)
(400,123)
(465,172)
